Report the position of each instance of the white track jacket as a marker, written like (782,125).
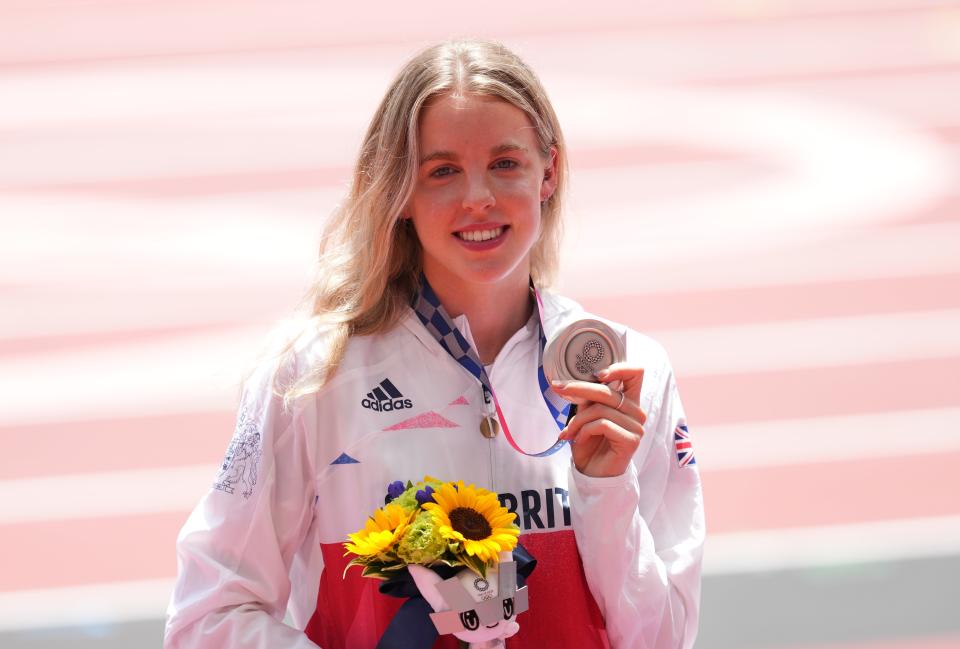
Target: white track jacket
(261,558)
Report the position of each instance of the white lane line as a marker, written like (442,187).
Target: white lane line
(820,342)
(725,554)
(89,605)
(826,439)
(734,446)
(809,547)
(107,493)
(627,269)
(165,245)
(819,149)
(196,372)
(189,373)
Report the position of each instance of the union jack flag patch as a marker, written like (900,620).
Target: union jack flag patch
(681,439)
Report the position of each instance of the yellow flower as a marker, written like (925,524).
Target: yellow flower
(381,530)
(474,518)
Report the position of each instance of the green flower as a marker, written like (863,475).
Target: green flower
(408,499)
(422,543)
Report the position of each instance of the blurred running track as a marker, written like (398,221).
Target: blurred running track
(768,188)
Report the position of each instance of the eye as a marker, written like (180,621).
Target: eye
(440,172)
(505,164)
(470,620)
(508,608)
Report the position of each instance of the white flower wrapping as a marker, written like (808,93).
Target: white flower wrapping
(479,610)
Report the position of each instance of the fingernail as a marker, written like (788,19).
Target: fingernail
(601,374)
(558,384)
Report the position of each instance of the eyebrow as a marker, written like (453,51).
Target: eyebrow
(495,151)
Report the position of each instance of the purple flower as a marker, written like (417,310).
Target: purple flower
(394,489)
(424,495)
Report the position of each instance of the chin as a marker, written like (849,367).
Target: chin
(497,273)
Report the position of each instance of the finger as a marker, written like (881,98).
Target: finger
(620,440)
(598,411)
(560,387)
(586,391)
(623,419)
(586,449)
(582,392)
(630,375)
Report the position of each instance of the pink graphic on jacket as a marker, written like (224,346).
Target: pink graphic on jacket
(424,420)
(460,401)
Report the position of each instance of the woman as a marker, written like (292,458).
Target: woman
(453,213)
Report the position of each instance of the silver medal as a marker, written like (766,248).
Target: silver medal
(580,349)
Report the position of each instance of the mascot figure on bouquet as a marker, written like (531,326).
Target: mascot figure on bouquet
(479,610)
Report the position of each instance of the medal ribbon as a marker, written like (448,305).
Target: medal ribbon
(440,325)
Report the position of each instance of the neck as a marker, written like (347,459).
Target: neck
(495,311)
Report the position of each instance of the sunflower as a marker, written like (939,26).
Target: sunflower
(381,530)
(474,518)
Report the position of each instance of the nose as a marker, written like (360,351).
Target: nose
(478,197)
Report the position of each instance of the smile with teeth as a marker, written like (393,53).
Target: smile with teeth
(481,235)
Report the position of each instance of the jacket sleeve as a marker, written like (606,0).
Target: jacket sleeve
(641,535)
(236,550)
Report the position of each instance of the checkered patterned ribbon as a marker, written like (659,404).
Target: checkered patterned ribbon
(438,322)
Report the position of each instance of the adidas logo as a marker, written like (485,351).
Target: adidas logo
(385,398)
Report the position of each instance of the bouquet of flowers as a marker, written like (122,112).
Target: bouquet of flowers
(452,550)
(431,523)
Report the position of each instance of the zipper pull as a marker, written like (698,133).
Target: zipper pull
(489,427)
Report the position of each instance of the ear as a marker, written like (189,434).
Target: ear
(426,581)
(549,183)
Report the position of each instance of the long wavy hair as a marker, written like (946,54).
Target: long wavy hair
(370,258)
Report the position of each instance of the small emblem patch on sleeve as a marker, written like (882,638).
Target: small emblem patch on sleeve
(684,445)
(239,467)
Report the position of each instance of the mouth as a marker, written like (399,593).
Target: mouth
(480,236)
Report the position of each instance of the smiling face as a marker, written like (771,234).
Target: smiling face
(480,182)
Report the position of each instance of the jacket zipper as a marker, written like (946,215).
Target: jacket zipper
(490,411)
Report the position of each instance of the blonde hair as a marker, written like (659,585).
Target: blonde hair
(370,262)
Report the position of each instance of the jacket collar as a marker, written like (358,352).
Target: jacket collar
(556,313)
